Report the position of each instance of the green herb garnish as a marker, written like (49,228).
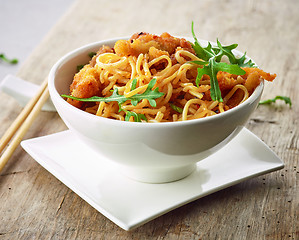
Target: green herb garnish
(91,54)
(211,56)
(137,116)
(287,100)
(11,61)
(176,108)
(134,84)
(150,94)
(212,69)
(79,67)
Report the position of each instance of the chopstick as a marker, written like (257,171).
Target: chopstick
(22,123)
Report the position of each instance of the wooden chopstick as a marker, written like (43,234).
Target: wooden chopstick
(22,123)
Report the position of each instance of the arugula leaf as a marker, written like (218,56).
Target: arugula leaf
(241,62)
(176,108)
(91,54)
(149,94)
(225,51)
(133,86)
(115,97)
(134,83)
(229,68)
(200,62)
(212,69)
(211,57)
(202,53)
(137,116)
(287,100)
(79,67)
(11,61)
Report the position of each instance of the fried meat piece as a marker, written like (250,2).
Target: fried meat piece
(254,77)
(142,42)
(86,84)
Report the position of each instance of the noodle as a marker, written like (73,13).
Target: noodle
(132,64)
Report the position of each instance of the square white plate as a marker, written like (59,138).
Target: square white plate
(130,204)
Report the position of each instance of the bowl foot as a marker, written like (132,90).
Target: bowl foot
(158,175)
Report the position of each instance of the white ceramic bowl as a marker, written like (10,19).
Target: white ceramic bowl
(147,152)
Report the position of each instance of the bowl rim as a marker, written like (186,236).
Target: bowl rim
(55,96)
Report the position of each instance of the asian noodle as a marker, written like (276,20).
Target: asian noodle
(168,60)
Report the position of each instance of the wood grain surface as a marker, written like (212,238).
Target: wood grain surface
(35,205)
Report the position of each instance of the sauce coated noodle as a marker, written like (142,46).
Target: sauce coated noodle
(167,59)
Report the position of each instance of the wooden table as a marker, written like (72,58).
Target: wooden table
(35,205)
